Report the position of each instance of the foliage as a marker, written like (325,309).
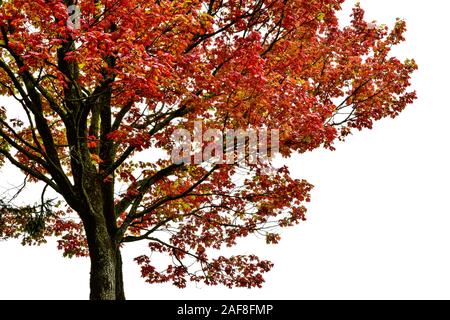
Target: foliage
(99,99)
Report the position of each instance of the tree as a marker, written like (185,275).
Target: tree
(102,95)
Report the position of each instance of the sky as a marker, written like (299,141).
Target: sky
(379,220)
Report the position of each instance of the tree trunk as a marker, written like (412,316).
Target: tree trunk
(120,292)
(106,282)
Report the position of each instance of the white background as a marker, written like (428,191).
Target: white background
(379,221)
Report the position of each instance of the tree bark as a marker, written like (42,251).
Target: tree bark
(106,279)
(120,291)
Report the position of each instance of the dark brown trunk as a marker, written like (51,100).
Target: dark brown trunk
(106,282)
(120,292)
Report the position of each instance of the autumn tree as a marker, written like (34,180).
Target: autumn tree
(95,104)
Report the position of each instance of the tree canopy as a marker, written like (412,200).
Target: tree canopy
(99,103)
